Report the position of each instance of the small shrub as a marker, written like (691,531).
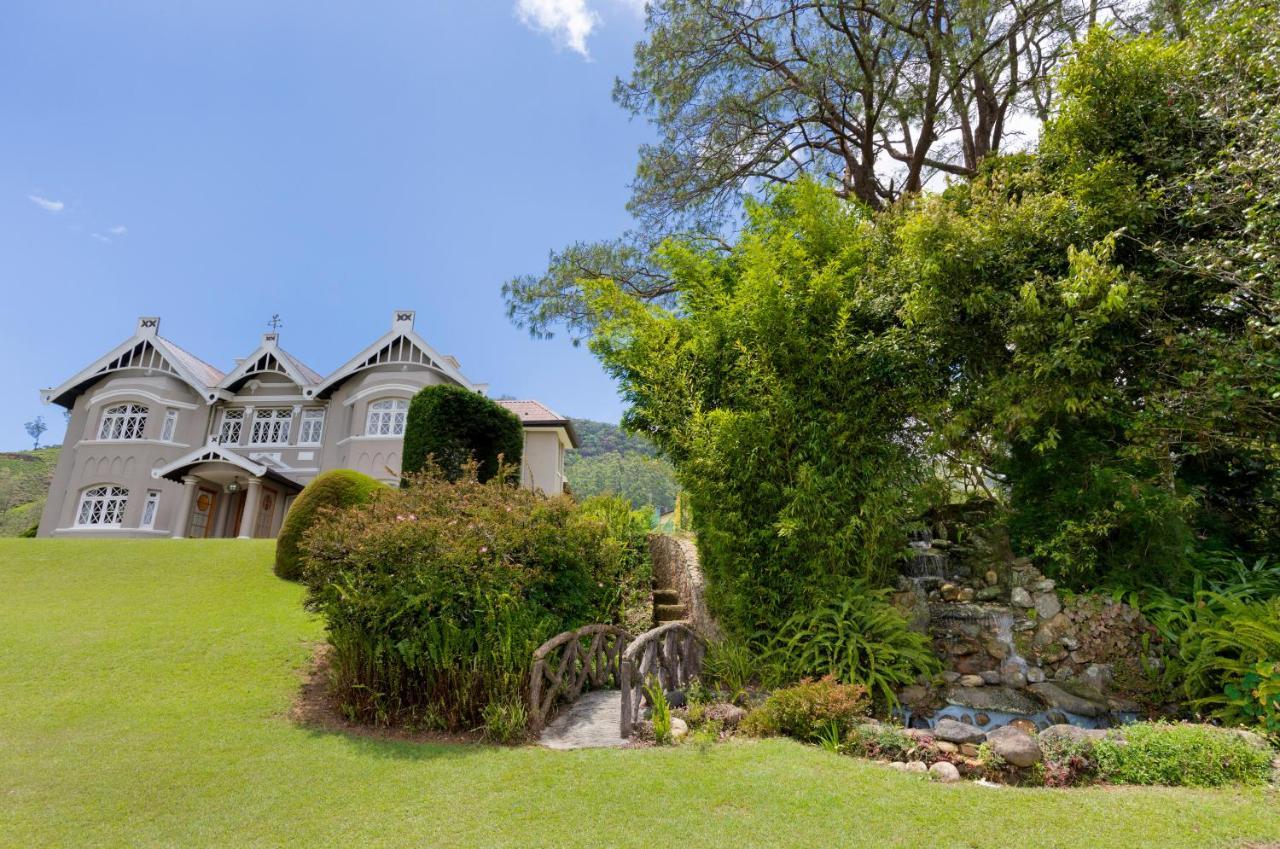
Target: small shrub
(1066,763)
(887,742)
(449,426)
(627,530)
(505,721)
(332,490)
(809,709)
(659,712)
(1181,756)
(1256,697)
(857,637)
(730,667)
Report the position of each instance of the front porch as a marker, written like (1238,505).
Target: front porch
(225,495)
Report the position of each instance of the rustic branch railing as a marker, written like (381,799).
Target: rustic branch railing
(569,663)
(672,653)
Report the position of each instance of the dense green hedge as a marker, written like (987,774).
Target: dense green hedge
(337,488)
(452,426)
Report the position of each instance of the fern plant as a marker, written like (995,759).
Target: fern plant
(659,711)
(858,637)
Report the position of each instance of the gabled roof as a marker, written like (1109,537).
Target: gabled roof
(270,358)
(400,345)
(537,414)
(214,453)
(146,349)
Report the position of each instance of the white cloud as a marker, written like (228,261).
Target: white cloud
(568,22)
(101,238)
(46,204)
(118,230)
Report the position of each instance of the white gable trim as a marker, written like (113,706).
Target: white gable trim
(101,367)
(261,362)
(381,389)
(211,454)
(360,362)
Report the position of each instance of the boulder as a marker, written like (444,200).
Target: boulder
(970,750)
(946,747)
(1014,745)
(917,767)
(989,676)
(1019,597)
(1073,733)
(1024,725)
(679,728)
(1056,697)
(987,594)
(1002,699)
(972,681)
(1035,675)
(1048,605)
(944,772)
(958,732)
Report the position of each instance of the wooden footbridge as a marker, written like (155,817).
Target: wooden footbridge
(586,687)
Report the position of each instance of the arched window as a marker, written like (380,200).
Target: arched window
(386,417)
(102,506)
(126,421)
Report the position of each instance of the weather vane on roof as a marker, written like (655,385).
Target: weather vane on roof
(275,323)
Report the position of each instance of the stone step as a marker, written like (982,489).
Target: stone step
(668,612)
(666,597)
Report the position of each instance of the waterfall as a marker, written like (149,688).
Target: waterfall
(926,561)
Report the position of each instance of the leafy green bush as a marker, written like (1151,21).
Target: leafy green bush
(1224,642)
(886,742)
(332,490)
(809,709)
(628,531)
(505,722)
(436,595)
(1181,756)
(1256,697)
(451,426)
(730,666)
(857,637)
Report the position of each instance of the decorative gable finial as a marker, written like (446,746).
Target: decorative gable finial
(149,325)
(402,320)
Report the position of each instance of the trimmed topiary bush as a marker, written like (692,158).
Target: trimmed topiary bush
(451,426)
(335,489)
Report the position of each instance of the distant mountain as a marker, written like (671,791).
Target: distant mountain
(24,484)
(611,460)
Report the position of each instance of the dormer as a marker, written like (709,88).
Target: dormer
(271,362)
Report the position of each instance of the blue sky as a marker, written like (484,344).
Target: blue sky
(217,162)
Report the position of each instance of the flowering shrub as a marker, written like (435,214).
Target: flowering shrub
(436,595)
(809,710)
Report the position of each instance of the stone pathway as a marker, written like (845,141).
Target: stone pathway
(591,722)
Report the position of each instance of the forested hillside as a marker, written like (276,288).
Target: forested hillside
(24,482)
(611,460)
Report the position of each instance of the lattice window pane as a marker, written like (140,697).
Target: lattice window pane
(124,421)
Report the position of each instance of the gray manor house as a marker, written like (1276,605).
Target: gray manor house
(160,443)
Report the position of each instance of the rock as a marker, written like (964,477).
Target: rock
(1024,725)
(1002,699)
(951,677)
(1014,745)
(949,591)
(900,766)
(1045,586)
(971,681)
(998,649)
(957,732)
(987,594)
(1056,697)
(1070,643)
(1048,605)
(992,577)
(1119,705)
(677,698)
(965,595)
(1020,598)
(981,719)
(1035,675)
(990,676)
(728,715)
(1099,675)
(914,694)
(946,747)
(969,750)
(945,772)
(679,728)
(1056,717)
(917,767)
(1073,733)
(1013,674)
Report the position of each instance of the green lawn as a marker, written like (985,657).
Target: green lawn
(143,691)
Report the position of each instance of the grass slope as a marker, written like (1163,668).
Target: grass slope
(24,483)
(143,687)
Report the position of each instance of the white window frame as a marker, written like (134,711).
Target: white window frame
(170,425)
(150,508)
(102,506)
(271,426)
(311,427)
(387,417)
(123,422)
(231,426)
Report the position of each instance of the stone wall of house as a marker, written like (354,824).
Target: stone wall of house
(675,566)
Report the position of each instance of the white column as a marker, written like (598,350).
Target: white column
(252,496)
(295,424)
(246,426)
(184,507)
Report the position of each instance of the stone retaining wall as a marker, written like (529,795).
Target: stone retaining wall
(675,565)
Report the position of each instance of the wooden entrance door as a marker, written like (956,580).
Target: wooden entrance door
(202,513)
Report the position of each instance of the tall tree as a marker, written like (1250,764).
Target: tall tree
(874,97)
(35,428)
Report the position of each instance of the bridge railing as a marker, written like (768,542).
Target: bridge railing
(671,653)
(568,663)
